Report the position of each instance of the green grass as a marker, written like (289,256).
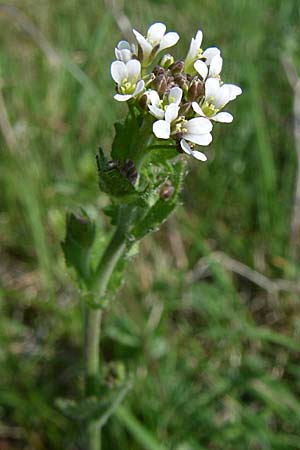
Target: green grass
(214,358)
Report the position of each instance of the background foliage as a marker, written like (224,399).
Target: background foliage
(208,322)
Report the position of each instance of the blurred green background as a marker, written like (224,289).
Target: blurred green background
(208,322)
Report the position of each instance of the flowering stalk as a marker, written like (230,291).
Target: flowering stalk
(172,106)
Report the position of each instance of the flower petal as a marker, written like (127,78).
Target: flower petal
(171,112)
(194,46)
(195,153)
(198,125)
(223,96)
(198,38)
(134,69)
(122,98)
(156,31)
(175,95)
(143,43)
(161,129)
(123,55)
(209,53)
(224,117)
(118,71)
(200,139)
(169,40)
(199,155)
(235,91)
(212,87)
(154,98)
(196,107)
(185,147)
(215,66)
(139,87)
(122,45)
(201,68)
(156,112)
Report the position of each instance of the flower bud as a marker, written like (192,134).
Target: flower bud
(160,84)
(128,170)
(176,67)
(81,229)
(166,190)
(196,89)
(185,109)
(180,80)
(167,61)
(158,70)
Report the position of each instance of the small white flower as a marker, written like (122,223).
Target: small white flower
(211,57)
(156,40)
(190,151)
(194,52)
(197,131)
(124,51)
(211,70)
(157,107)
(162,128)
(127,76)
(216,97)
(210,53)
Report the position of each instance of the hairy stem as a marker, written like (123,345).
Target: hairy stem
(103,272)
(99,283)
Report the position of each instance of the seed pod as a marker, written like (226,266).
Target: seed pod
(166,190)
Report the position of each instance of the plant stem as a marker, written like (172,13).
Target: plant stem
(99,283)
(101,278)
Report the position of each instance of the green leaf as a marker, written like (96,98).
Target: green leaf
(114,183)
(162,155)
(126,138)
(162,208)
(132,136)
(80,236)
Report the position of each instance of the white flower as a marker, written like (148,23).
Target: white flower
(162,128)
(194,52)
(216,97)
(127,76)
(155,41)
(124,51)
(197,131)
(209,57)
(158,107)
(211,69)
(210,53)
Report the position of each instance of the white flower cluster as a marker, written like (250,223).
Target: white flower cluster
(185,96)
